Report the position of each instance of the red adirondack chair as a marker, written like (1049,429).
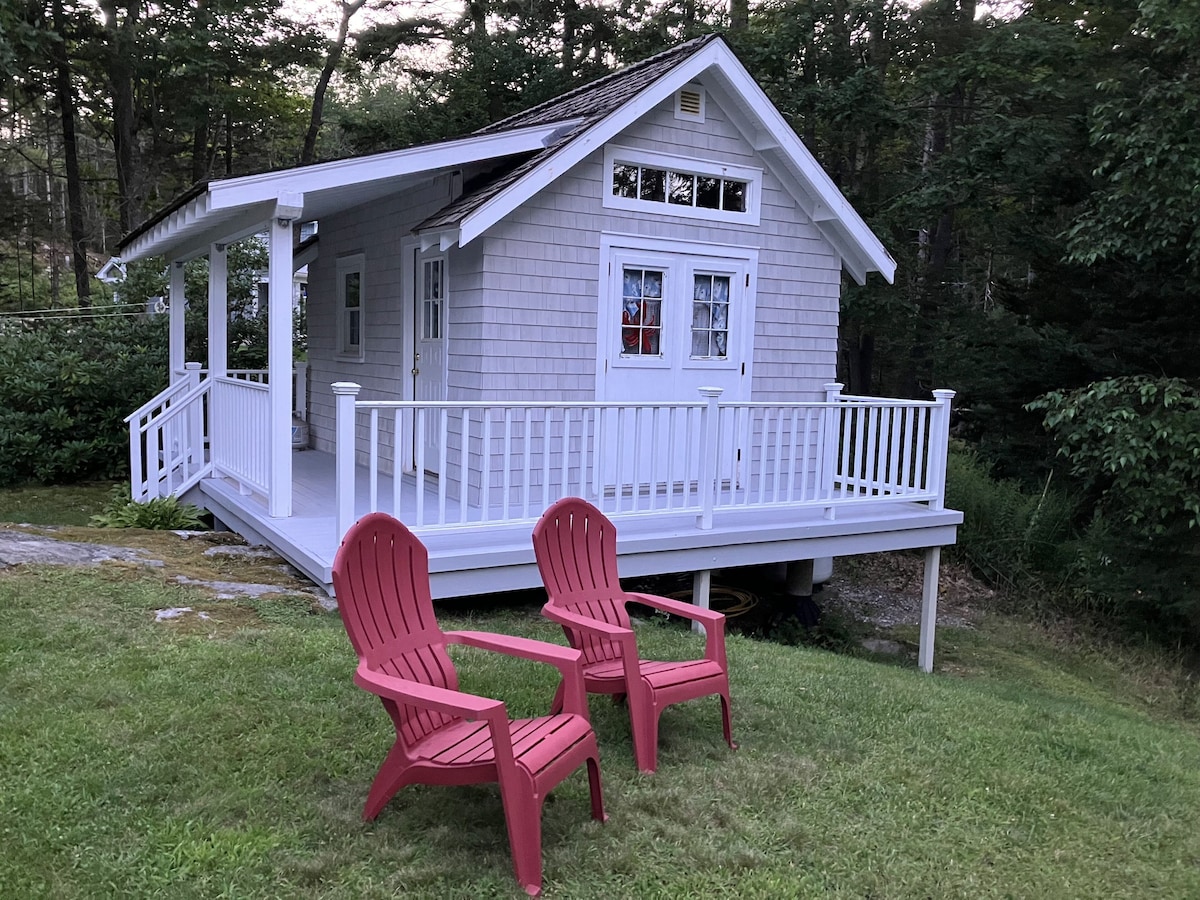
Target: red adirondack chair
(576,549)
(445,736)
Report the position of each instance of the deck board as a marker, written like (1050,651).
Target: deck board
(494,558)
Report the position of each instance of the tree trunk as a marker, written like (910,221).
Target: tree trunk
(349,8)
(66,106)
(119,70)
(739,16)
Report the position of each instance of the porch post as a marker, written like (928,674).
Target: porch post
(344,393)
(708,456)
(279,356)
(176,309)
(828,464)
(218,311)
(929,592)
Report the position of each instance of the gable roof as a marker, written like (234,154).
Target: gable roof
(552,137)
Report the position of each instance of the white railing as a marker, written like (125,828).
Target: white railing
(167,439)
(197,425)
(480,463)
(240,441)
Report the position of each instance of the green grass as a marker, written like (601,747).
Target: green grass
(231,757)
(54,505)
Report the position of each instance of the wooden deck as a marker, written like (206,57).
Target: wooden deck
(483,559)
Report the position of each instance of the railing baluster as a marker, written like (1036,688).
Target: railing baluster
(373,463)
(920,464)
(870,461)
(420,423)
(443,472)
(397,461)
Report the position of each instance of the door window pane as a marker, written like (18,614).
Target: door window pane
(710,316)
(433,292)
(641,311)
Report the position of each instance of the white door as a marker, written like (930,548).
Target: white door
(429,353)
(673,319)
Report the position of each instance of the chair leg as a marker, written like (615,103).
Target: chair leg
(643,718)
(388,780)
(523,818)
(726,724)
(593,767)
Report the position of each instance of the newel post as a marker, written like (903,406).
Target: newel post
(829,444)
(195,428)
(344,394)
(709,420)
(940,447)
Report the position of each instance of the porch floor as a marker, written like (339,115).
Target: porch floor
(484,559)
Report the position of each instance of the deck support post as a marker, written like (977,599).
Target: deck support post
(279,355)
(344,393)
(709,419)
(701,594)
(176,312)
(929,593)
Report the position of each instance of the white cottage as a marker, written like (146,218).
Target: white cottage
(628,293)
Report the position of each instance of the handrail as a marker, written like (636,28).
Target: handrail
(504,461)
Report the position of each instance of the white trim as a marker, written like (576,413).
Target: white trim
(615,154)
(347,265)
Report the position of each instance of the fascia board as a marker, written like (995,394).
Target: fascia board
(812,175)
(593,139)
(249,189)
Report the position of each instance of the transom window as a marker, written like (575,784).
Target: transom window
(678,188)
(646,181)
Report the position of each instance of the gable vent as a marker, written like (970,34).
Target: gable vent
(689,103)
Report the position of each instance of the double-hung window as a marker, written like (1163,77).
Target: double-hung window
(351,303)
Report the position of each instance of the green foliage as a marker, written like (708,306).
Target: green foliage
(157,514)
(1017,540)
(65,389)
(1133,444)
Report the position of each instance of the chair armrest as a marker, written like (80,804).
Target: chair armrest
(567,660)
(426,696)
(713,622)
(585,623)
(526,648)
(678,608)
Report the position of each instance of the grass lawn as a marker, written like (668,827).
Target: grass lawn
(231,757)
(37,504)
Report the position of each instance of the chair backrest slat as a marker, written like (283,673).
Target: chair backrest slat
(381,580)
(576,549)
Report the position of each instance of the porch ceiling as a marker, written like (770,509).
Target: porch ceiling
(233,208)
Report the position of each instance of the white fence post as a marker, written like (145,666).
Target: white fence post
(939,447)
(709,419)
(193,448)
(829,445)
(344,393)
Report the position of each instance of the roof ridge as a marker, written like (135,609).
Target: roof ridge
(683,49)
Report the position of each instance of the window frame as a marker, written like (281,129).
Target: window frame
(347,265)
(615,155)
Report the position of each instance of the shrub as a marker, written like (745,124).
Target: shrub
(1015,539)
(65,389)
(159,514)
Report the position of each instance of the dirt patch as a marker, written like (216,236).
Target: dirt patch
(884,590)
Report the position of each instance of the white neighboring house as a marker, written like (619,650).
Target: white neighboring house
(629,293)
